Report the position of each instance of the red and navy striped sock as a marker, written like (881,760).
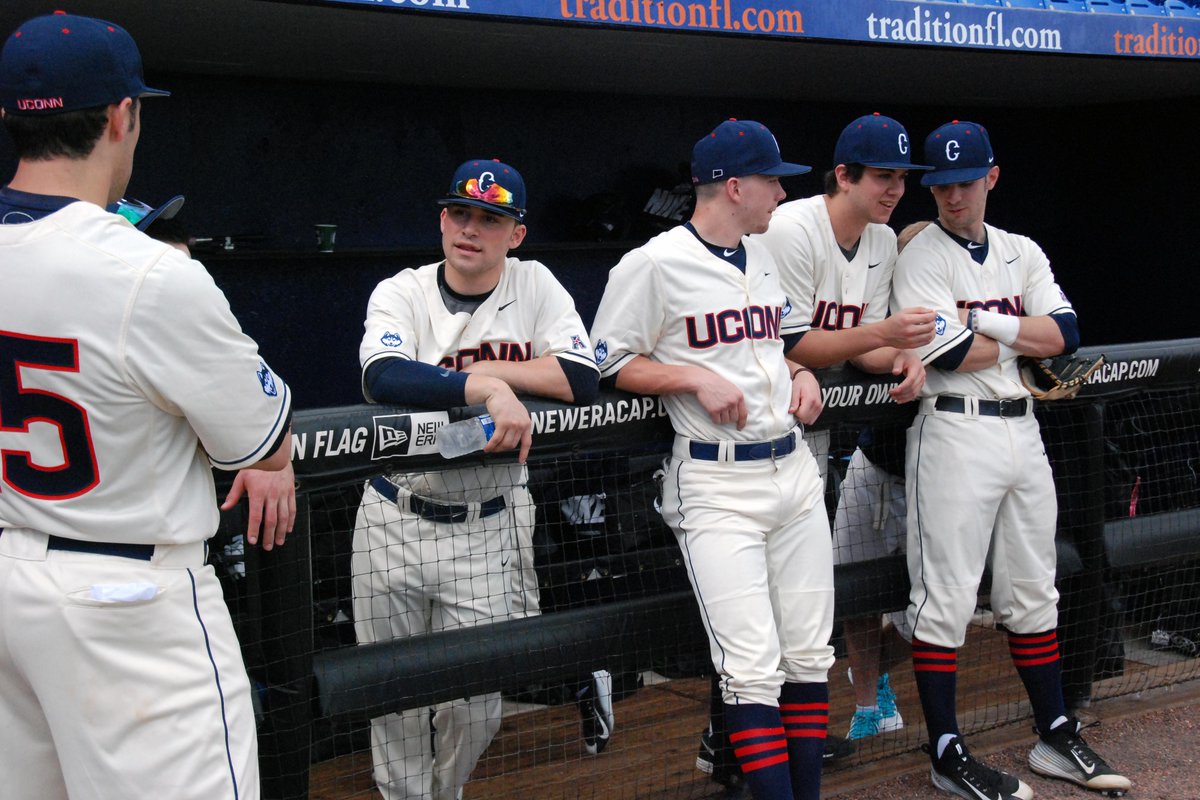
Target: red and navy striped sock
(756,735)
(804,709)
(936,671)
(1035,656)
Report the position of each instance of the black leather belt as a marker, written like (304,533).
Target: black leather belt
(745,451)
(437,512)
(142,552)
(987,408)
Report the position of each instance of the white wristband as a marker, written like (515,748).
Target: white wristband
(1006,353)
(1001,327)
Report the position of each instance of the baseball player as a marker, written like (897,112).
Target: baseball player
(836,255)
(124,379)
(977,475)
(440,550)
(698,316)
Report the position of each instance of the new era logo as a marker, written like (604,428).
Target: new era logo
(393,436)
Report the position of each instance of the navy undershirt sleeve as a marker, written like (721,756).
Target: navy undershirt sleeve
(285,432)
(404,382)
(1069,325)
(584,381)
(791,340)
(950,359)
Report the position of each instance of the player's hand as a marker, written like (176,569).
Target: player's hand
(722,400)
(912,327)
(909,365)
(272,499)
(514,428)
(806,403)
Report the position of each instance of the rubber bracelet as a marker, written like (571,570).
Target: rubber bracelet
(801,369)
(1003,328)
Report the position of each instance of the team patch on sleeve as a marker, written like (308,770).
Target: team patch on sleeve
(939,325)
(267,380)
(577,343)
(390,339)
(787,308)
(601,351)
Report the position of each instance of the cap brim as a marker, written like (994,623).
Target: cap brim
(167,210)
(148,92)
(894,165)
(517,214)
(786,168)
(940,177)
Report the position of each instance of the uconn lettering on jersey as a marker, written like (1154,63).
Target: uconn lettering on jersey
(1014,307)
(732,326)
(488,351)
(829,316)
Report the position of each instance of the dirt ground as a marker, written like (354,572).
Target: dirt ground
(1152,738)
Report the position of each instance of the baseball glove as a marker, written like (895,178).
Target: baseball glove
(1058,378)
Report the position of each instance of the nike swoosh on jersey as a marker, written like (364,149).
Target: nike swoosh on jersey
(873,266)
(729,253)
(974,245)
(506,305)
(1010,260)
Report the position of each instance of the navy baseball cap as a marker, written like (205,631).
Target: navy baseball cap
(875,141)
(736,148)
(62,62)
(490,184)
(143,214)
(960,152)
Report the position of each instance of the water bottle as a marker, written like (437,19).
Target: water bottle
(459,438)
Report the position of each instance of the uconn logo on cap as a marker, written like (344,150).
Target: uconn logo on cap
(953,149)
(902,143)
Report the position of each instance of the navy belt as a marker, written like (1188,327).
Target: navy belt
(437,512)
(142,552)
(987,408)
(744,451)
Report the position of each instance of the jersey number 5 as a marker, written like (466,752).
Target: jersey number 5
(20,407)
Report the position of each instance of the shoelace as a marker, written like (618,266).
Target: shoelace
(864,725)
(975,772)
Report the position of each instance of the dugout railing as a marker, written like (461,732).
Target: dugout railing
(1126,454)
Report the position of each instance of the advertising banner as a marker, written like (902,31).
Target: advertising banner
(896,22)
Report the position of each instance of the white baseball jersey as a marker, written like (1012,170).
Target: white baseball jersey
(123,374)
(938,272)
(1002,500)
(674,301)
(528,315)
(741,525)
(114,402)
(827,291)
(461,574)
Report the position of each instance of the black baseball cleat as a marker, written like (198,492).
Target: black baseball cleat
(959,773)
(1062,753)
(717,762)
(836,748)
(596,712)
